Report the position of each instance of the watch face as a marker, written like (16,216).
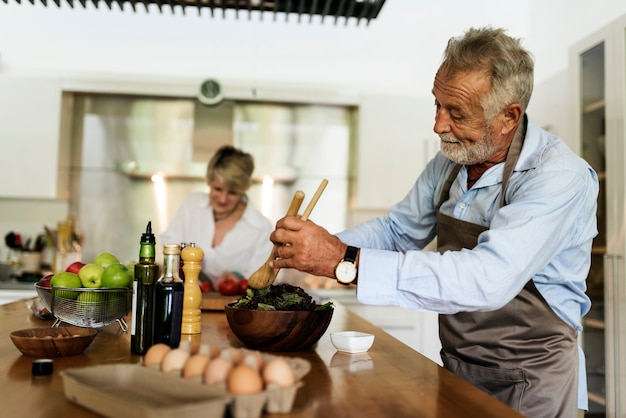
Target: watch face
(345,272)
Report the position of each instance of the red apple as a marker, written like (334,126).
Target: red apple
(45,280)
(75,267)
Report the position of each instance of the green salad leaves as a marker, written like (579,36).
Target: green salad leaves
(283,297)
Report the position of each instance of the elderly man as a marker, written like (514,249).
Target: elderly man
(514,213)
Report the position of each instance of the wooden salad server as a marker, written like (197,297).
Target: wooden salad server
(266,275)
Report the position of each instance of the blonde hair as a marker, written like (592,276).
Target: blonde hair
(233,166)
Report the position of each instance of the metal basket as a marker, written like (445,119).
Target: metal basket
(97,309)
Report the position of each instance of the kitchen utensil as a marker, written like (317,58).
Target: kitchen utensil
(265,275)
(100,307)
(314,200)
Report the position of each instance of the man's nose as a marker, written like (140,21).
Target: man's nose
(442,123)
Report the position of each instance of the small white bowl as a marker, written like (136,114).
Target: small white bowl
(352,341)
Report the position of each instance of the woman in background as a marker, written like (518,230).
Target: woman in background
(232,233)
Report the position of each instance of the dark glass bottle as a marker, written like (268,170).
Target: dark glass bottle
(146,274)
(168,299)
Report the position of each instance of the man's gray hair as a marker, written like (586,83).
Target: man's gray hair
(501,57)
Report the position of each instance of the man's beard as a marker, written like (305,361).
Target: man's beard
(474,153)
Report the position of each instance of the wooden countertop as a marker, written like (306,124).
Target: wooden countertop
(390,380)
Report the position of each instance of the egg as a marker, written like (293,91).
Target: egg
(196,365)
(244,380)
(155,354)
(213,351)
(174,360)
(278,371)
(194,347)
(217,370)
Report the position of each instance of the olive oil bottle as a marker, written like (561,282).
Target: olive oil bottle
(168,299)
(146,274)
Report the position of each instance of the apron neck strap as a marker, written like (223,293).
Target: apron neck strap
(511,160)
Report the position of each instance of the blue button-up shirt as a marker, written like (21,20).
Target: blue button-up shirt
(544,232)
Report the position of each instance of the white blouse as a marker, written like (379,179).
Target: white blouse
(244,248)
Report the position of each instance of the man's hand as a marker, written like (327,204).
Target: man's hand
(307,247)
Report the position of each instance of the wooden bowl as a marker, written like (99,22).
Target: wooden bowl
(53,342)
(278,330)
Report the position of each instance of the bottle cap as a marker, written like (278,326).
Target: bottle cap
(171,249)
(42,367)
(148,236)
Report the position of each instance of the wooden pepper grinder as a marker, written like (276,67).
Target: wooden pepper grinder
(192,264)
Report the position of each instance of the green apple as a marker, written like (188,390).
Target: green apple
(66,279)
(89,297)
(105,259)
(116,275)
(90,275)
(131,269)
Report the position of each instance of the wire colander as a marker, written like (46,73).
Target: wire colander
(84,307)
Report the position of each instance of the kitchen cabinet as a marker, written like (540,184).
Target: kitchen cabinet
(599,75)
(30,132)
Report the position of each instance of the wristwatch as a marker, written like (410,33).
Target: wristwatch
(346,270)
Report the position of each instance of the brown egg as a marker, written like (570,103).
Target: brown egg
(155,354)
(213,351)
(174,360)
(217,370)
(196,365)
(194,347)
(244,380)
(278,371)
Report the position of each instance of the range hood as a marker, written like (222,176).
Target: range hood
(361,10)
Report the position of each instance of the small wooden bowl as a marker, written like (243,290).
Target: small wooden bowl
(53,342)
(278,330)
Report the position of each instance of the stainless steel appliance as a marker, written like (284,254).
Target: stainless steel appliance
(135,159)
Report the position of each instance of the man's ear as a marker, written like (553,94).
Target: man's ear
(511,119)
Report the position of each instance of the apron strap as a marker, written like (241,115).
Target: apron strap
(511,160)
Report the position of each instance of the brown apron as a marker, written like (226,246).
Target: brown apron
(523,353)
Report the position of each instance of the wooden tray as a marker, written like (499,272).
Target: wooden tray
(214,301)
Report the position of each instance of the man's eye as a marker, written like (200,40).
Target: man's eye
(456,116)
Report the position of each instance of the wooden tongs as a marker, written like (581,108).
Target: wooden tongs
(266,275)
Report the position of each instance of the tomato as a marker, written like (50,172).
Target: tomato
(205,286)
(243,286)
(228,287)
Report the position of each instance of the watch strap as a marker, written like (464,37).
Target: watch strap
(351,253)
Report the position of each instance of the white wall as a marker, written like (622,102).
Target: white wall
(554,26)
(397,52)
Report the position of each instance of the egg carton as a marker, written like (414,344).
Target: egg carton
(124,390)
(273,399)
